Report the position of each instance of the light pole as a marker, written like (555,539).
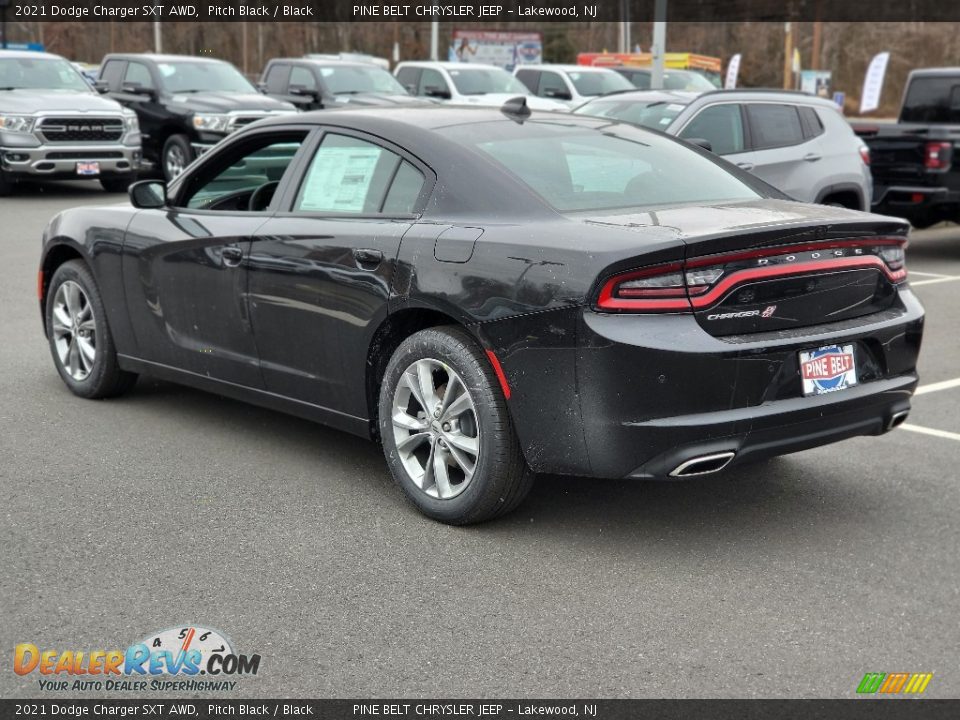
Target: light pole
(3,21)
(659,43)
(157,38)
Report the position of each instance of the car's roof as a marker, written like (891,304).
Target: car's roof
(447,65)
(935,71)
(164,57)
(28,54)
(566,68)
(327,63)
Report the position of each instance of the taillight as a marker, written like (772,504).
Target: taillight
(865,155)
(700,282)
(938,155)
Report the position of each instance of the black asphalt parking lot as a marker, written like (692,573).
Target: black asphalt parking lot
(171,507)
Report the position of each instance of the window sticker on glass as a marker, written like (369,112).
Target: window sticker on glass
(675,107)
(339,179)
(166,70)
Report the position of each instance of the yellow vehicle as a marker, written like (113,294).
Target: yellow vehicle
(709,67)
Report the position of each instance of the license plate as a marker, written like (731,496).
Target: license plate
(828,369)
(88,168)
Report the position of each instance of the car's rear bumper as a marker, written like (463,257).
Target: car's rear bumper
(657,390)
(916,201)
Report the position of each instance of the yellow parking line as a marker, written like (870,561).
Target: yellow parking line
(937,386)
(930,431)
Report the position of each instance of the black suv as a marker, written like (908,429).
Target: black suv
(185,104)
(314,84)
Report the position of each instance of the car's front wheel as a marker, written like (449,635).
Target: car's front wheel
(446,430)
(176,155)
(80,340)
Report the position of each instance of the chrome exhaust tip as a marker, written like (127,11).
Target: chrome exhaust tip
(703,465)
(897,419)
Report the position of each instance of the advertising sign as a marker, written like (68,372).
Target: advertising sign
(505,49)
(733,69)
(873,82)
(816,82)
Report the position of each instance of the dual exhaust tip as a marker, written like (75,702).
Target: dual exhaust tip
(703,464)
(715,462)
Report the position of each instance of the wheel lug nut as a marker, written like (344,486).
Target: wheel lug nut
(446,427)
(436,413)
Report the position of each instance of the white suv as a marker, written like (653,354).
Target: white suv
(572,85)
(466,84)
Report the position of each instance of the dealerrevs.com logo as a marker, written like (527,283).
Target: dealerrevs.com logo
(172,659)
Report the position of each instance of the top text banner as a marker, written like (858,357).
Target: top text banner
(468,11)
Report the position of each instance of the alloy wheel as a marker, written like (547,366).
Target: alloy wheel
(435,428)
(74,330)
(176,161)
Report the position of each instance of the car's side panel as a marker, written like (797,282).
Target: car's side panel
(318,289)
(186,297)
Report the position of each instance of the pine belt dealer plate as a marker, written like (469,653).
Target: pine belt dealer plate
(88,168)
(828,369)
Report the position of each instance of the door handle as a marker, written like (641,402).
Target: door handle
(748,166)
(367,258)
(231,255)
(812,157)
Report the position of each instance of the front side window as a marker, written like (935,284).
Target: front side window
(432,83)
(552,85)
(138,74)
(302,77)
(721,126)
(585,168)
(350,176)
(229,182)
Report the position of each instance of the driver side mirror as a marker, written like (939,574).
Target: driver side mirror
(436,92)
(302,91)
(101,87)
(558,94)
(148,194)
(135,88)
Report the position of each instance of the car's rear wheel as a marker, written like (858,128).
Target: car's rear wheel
(176,155)
(446,430)
(80,340)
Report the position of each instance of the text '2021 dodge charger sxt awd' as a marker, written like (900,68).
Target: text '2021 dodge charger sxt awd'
(493,294)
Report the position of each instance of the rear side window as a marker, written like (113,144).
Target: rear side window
(932,100)
(773,126)
(350,176)
(721,125)
(404,191)
(810,122)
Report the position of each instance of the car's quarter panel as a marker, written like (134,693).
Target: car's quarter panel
(187,300)
(318,290)
(97,235)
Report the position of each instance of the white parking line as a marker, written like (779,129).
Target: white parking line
(947,278)
(937,386)
(925,274)
(930,431)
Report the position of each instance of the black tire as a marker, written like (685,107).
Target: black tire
(117,184)
(501,478)
(6,186)
(104,378)
(170,159)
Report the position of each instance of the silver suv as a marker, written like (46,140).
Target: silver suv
(798,143)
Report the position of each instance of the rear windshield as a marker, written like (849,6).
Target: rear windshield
(932,100)
(601,168)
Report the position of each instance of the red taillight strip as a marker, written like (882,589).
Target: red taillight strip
(787,249)
(499,373)
(735,278)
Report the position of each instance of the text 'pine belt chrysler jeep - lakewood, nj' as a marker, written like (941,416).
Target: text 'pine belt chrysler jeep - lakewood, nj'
(54,126)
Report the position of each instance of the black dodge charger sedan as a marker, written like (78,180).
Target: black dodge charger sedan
(493,294)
